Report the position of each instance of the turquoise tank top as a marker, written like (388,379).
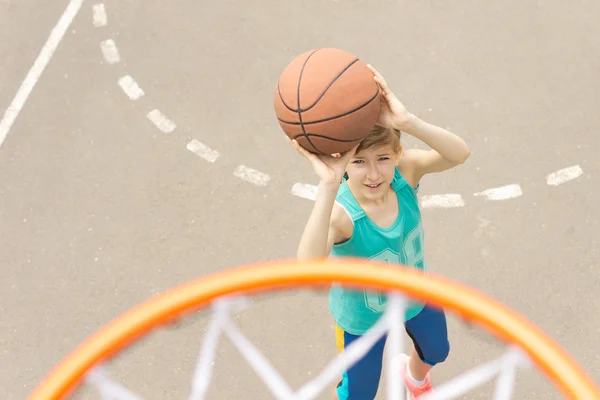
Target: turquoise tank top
(355,311)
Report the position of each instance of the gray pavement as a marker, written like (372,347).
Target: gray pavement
(100,210)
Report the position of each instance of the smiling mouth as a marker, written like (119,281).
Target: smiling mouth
(373,186)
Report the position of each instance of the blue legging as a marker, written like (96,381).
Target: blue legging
(429,334)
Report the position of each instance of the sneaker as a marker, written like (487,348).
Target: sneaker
(412,390)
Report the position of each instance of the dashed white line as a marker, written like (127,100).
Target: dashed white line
(502,193)
(130,87)
(99,15)
(161,121)
(564,175)
(133,91)
(442,201)
(55,37)
(203,151)
(110,51)
(251,175)
(309,192)
(305,191)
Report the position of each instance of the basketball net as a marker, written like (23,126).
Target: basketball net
(503,369)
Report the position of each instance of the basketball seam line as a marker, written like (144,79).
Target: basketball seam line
(311,143)
(334,117)
(328,86)
(279,88)
(307,136)
(298,110)
(320,97)
(281,98)
(299,82)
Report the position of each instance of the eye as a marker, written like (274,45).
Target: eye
(357,162)
(384,158)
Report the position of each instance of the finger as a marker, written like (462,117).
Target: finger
(386,93)
(297,146)
(311,157)
(373,70)
(377,76)
(300,149)
(385,89)
(381,82)
(294,144)
(351,152)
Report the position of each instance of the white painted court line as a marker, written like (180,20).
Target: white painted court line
(442,201)
(55,37)
(203,151)
(130,87)
(99,15)
(305,191)
(502,193)
(251,175)
(564,175)
(110,51)
(309,192)
(161,121)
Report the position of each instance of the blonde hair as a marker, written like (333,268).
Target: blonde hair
(378,137)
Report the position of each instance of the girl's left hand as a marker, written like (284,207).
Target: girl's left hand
(393,113)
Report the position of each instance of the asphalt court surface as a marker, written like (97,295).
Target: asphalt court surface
(100,209)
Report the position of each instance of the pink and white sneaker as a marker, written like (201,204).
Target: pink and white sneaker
(412,390)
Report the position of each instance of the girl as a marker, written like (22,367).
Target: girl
(374,214)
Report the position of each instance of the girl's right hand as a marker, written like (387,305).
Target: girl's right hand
(329,169)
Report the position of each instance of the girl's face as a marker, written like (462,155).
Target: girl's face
(371,171)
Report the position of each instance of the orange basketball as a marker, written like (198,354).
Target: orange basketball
(327,100)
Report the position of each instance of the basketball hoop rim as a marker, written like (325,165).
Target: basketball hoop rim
(506,324)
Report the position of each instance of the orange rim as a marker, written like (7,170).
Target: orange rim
(501,321)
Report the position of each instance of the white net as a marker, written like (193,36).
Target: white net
(503,368)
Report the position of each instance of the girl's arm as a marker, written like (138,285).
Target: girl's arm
(320,230)
(447,149)
(327,224)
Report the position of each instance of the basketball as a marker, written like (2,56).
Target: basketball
(327,100)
